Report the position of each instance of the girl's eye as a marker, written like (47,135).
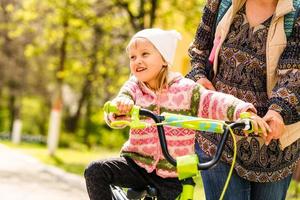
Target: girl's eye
(132,57)
(145,54)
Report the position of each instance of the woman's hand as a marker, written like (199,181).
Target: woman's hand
(206,84)
(124,105)
(260,125)
(276,123)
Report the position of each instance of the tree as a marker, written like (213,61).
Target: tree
(49,45)
(141,13)
(13,63)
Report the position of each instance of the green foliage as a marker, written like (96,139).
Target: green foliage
(35,64)
(4,126)
(112,139)
(33,115)
(175,15)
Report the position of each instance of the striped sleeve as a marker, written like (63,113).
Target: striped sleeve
(217,105)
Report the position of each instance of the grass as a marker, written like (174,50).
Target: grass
(75,160)
(294,191)
(71,160)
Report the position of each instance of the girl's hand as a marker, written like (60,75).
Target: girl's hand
(276,123)
(206,84)
(260,126)
(124,105)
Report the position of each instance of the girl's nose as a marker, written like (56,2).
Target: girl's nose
(138,60)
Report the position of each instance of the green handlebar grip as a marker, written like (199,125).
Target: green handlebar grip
(135,122)
(245,115)
(249,128)
(110,107)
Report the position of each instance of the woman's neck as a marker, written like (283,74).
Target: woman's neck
(265,2)
(257,11)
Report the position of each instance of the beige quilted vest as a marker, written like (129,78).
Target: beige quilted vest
(276,43)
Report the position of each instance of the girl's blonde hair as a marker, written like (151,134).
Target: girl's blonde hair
(162,79)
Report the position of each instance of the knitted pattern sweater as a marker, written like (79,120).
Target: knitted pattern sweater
(181,96)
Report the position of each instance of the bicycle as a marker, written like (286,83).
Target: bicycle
(187,166)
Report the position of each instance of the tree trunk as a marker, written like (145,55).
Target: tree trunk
(55,115)
(72,122)
(11,106)
(88,123)
(54,127)
(14,110)
(138,21)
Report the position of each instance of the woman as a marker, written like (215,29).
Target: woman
(255,62)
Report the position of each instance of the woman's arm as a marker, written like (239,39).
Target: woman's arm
(203,42)
(285,97)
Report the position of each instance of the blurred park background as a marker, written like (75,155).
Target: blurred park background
(61,60)
(69,56)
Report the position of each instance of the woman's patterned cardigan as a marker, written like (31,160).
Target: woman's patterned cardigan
(182,96)
(285,97)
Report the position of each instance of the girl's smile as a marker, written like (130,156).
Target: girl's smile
(140,69)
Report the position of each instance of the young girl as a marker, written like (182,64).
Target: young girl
(152,86)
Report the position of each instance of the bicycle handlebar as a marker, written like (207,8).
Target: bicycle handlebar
(194,123)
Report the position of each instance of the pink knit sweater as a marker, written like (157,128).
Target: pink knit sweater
(182,96)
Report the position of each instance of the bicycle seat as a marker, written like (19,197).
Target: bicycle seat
(148,191)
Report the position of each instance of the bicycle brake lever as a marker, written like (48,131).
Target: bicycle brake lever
(119,123)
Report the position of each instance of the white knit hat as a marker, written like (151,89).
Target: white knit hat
(164,41)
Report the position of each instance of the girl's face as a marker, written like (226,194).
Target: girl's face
(145,61)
